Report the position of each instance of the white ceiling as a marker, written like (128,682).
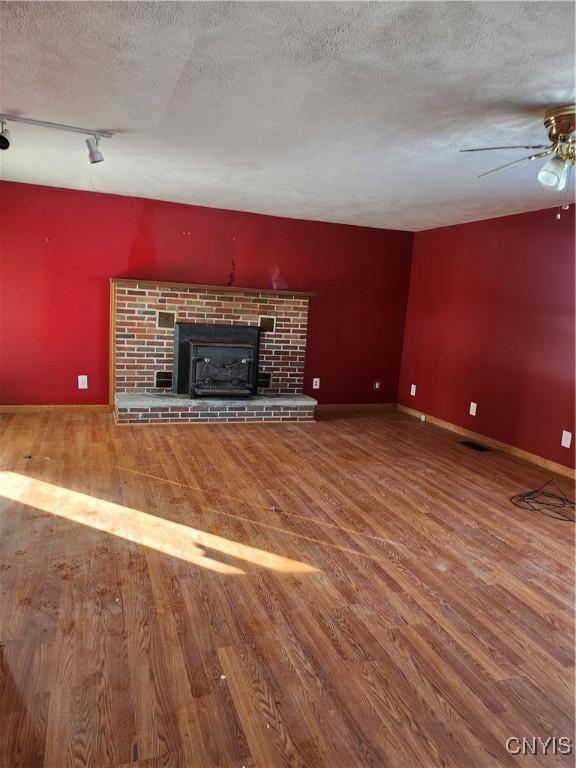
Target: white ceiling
(346,112)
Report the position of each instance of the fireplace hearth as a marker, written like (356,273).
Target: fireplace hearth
(216,360)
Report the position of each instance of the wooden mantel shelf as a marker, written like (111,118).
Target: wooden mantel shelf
(130,282)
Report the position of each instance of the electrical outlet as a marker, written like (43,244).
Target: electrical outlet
(315,383)
(83,381)
(422,417)
(413,390)
(376,385)
(473,407)
(566,441)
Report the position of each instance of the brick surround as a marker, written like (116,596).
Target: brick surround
(141,348)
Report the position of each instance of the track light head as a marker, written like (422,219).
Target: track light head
(4,137)
(94,154)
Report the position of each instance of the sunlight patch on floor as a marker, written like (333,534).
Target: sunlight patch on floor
(165,536)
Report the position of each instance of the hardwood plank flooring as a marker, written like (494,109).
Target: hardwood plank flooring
(354,592)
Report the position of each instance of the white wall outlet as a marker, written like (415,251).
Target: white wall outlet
(413,390)
(315,383)
(376,385)
(566,441)
(83,381)
(422,417)
(473,407)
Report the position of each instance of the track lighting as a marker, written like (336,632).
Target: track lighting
(94,154)
(553,174)
(4,136)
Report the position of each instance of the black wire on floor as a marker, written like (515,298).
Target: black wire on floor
(551,503)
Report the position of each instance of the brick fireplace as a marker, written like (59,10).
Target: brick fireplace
(147,319)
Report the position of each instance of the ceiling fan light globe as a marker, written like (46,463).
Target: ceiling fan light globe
(553,174)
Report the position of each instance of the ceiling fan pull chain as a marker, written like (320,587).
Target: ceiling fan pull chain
(564,206)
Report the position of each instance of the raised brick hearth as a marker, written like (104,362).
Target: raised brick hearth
(142,340)
(148,409)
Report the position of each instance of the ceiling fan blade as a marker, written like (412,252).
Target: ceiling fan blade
(516,146)
(548,151)
(503,167)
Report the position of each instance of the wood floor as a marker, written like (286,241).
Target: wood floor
(355,592)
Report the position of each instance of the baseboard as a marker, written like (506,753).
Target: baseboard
(533,458)
(56,408)
(354,406)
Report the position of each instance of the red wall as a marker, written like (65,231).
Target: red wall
(491,319)
(58,249)
(490,316)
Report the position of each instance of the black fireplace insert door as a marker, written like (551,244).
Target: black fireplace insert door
(215,360)
(222,370)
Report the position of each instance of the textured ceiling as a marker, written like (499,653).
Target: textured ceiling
(346,112)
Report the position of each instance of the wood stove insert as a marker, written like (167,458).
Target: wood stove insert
(216,360)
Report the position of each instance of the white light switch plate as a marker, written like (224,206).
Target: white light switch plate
(473,407)
(413,390)
(83,382)
(376,385)
(315,383)
(566,441)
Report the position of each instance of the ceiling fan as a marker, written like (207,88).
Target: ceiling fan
(560,123)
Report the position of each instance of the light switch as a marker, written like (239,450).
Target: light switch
(566,441)
(473,407)
(83,381)
(413,390)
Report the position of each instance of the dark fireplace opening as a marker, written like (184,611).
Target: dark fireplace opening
(215,360)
